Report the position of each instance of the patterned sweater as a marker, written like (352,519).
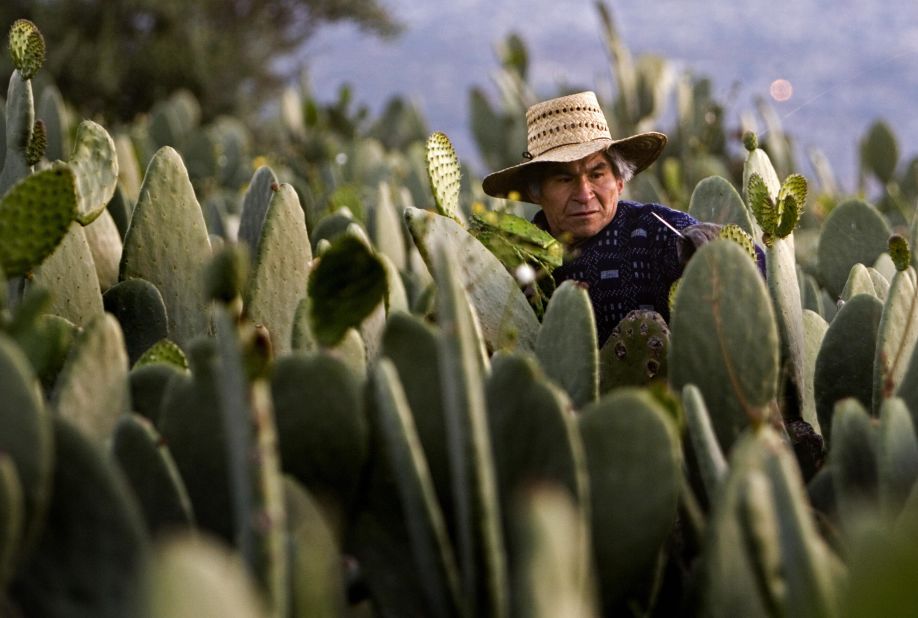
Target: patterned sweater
(630,264)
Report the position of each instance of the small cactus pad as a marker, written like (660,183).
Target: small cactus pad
(750,141)
(27,47)
(344,288)
(226,274)
(163,351)
(635,353)
(739,236)
(35,149)
(899,251)
(34,217)
(444,174)
(95,165)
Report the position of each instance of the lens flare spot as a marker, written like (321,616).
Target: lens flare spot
(781,90)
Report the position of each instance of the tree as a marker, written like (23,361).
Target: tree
(115,58)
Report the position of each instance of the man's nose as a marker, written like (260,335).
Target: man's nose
(583,191)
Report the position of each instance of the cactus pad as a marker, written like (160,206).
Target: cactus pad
(34,217)
(344,288)
(738,235)
(27,47)
(38,142)
(635,353)
(163,351)
(899,251)
(95,166)
(444,174)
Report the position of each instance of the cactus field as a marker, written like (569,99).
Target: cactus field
(311,371)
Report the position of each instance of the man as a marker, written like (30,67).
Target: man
(623,251)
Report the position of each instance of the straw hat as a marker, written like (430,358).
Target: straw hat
(568,129)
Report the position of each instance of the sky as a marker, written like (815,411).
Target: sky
(847,63)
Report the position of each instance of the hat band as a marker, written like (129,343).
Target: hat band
(544,152)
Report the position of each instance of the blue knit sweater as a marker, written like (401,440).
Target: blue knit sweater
(629,264)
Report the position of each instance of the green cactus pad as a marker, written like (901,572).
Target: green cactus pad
(45,338)
(715,199)
(566,346)
(148,384)
(12,518)
(899,251)
(444,174)
(195,576)
(849,346)
(255,204)
(315,557)
(92,552)
(53,114)
(323,435)
(708,455)
(92,390)
(814,332)
(330,227)
(344,288)
(38,142)
(536,442)
(854,232)
(150,471)
(25,435)
(387,228)
(70,274)
(471,456)
(897,336)
(163,351)
(879,151)
(193,426)
(95,165)
(20,119)
(750,141)
(897,457)
(764,552)
(506,318)
(853,460)
(633,456)
(732,356)
(140,310)
(27,47)
(737,234)
(431,549)
(253,466)
(411,344)
(635,353)
(34,218)
(281,271)
(167,244)
(105,245)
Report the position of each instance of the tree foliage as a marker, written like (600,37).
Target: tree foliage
(117,57)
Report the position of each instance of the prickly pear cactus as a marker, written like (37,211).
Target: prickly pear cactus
(732,356)
(635,353)
(715,199)
(167,244)
(777,216)
(34,218)
(443,172)
(853,232)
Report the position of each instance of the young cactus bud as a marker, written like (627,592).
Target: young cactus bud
(899,251)
(35,149)
(27,47)
(777,218)
(750,141)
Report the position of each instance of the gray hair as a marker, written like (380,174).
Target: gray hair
(622,168)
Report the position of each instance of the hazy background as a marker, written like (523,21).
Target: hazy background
(848,62)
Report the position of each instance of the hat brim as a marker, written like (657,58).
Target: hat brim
(641,150)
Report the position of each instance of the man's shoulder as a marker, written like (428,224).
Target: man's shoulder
(643,213)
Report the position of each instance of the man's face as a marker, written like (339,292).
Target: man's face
(579,198)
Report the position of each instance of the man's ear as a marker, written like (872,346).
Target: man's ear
(620,183)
